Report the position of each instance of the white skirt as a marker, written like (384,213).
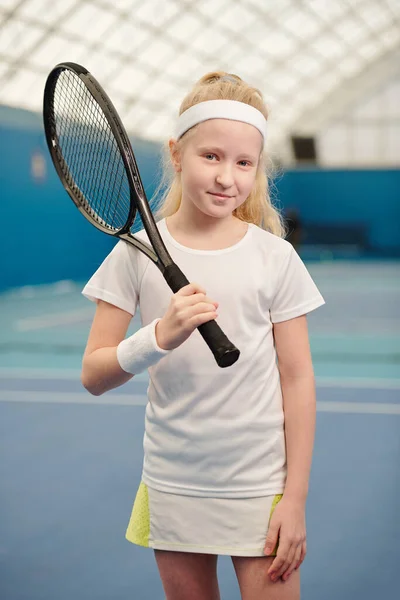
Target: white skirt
(231,526)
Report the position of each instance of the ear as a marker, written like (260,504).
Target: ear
(175,155)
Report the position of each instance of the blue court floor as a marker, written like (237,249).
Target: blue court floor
(70,463)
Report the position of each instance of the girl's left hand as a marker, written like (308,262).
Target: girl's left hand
(288,524)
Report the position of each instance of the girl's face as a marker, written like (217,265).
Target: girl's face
(218,165)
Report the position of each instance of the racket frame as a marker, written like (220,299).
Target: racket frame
(139,201)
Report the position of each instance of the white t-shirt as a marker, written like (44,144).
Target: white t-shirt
(211,431)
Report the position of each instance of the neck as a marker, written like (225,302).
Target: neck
(194,222)
(203,232)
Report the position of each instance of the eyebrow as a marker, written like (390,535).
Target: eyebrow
(218,150)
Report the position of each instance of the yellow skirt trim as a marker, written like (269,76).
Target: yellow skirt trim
(275,501)
(138,531)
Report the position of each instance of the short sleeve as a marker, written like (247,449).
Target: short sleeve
(296,292)
(116,280)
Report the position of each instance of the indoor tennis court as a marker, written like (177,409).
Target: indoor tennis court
(70,462)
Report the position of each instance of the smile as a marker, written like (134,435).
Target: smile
(223,196)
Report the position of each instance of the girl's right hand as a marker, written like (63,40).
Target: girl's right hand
(188,309)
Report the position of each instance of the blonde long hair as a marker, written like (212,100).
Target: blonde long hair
(257,208)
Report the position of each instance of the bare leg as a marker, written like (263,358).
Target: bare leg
(187,575)
(256,584)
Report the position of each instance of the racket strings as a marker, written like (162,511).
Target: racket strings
(92,160)
(99,184)
(102,184)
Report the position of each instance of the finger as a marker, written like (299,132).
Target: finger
(271,540)
(191,288)
(287,562)
(294,563)
(197,309)
(195,299)
(303,555)
(283,550)
(202,318)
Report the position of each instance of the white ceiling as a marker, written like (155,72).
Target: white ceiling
(307,56)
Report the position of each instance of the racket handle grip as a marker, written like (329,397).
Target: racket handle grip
(225,353)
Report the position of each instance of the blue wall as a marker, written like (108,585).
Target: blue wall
(370,198)
(45,239)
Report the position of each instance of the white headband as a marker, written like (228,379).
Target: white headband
(221,109)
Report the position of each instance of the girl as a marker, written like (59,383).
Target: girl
(227,452)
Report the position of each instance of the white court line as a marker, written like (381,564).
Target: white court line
(51,374)
(30,373)
(365,408)
(375,383)
(72,398)
(141,400)
(54,320)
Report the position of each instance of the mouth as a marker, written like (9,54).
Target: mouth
(219,196)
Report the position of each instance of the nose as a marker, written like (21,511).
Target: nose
(225,176)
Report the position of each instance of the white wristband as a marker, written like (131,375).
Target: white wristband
(140,350)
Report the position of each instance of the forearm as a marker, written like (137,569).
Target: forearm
(101,371)
(299,404)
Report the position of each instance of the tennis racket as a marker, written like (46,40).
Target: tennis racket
(94,159)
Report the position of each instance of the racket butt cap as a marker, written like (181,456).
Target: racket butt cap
(227,357)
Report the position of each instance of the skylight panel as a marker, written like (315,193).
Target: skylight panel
(100,64)
(157,52)
(326,11)
(54,49)
(375,15)
(283,115)
(327,81)
(157,91)
(156,15)
(207,8)
(16,87)
(209,41)
(87,21)
(131,80)
(160,126)
(185,28)
(280,44)
(7,5)
(283,81)
(138,115)
(248,69)
(184,66)
(237,18)
(126,37)
(369,50)
(122,5)
(17,38)
(390,37)
(301,23)
(351,30)
(306,64)
(45,11)
(4,67)
(350,65)
(328,46)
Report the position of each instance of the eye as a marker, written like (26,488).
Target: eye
(210,156)
(245,163)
